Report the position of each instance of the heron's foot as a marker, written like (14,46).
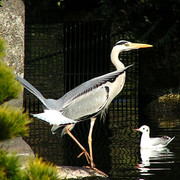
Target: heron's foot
(92,165)
(97,170)
(86,155)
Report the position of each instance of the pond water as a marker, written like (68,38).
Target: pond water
(116,145)
(128,161)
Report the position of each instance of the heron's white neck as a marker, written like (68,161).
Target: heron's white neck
(115,59)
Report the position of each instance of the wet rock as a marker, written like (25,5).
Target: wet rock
(166,103)
(19,146)
(72,172)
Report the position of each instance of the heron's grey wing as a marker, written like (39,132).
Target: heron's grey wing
(49,103)
(90,85)
(86,105)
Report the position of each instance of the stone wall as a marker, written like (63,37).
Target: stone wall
(12,20)
(12,23)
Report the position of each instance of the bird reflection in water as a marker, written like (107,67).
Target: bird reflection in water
(151,158)
(153,151)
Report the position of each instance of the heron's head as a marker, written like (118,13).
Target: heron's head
(144,129)
(124,45)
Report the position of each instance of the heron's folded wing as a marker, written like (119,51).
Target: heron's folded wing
(86,105)
(90,85)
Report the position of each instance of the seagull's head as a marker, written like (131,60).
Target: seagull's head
(124,45)
(144,129)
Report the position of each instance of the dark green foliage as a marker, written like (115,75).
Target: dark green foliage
(13,122)
(9,167)
(39,170)
(9,87)
(152,20)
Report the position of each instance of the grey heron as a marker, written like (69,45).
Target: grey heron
(156,142)
(87,100)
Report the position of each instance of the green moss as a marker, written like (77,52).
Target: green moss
(13,122)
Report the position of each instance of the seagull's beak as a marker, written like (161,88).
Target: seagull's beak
(139,45)
(137,129)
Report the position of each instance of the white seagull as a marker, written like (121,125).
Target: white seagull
(157,142)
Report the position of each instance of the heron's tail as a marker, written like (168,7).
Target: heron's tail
(32,89)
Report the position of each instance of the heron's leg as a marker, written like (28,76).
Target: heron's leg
(90,147)
(90,141)
(78,143)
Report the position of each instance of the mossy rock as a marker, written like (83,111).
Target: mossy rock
(166,103)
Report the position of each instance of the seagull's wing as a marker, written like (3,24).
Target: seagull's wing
(161,141)
(167,139)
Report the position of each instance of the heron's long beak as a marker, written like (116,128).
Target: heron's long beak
(139,45)
(137,129)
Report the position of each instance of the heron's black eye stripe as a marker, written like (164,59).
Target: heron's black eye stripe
(121,43)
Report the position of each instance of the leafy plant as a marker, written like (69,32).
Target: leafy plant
(9,166)
(13,122)
(39,170)
(36,169)
(9,87)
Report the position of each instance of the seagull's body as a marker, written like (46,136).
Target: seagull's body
(148,142)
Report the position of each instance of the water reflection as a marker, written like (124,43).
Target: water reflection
(152,158)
